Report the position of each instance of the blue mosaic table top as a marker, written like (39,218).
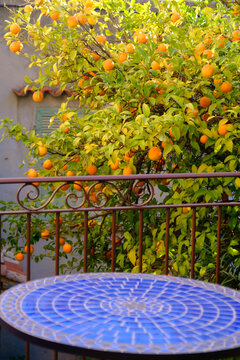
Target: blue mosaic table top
(126,313)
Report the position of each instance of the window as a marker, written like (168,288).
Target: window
(43,116)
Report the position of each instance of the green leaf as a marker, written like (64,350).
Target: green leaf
(237,182)
(229,145)
(146,110)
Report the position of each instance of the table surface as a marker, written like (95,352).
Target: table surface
(120,313)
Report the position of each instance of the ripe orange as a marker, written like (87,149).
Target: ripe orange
(175,17)
(127,157)
(208,53)
(221,41)
(199,49)
(162,47)
(77,185)
(64,187)
(236,35)
(171,133)
(72,22)
(91,169)
(54,15)
(120,109)
(208,39)
(130,48)
(92,223)
(19,257)
(15,29)
(108,64)
(203,139)
(63,127)
(127,170)
(155,65)
(226,87)
(142,38)
(61,241)
(222,129)
(70,173)
(185,210)
(47,164)
(101,39)
(42,150)
(28,8)
(155,153)
(67,248)
(45,234)
(60,220)
(122,57)
(31,249)
(236,10)
(205,101)
(193,112)
(15,46)
(92,20)
(32,173)
(216,93)
(207,71)
(37,96)
(115,166)
(82,18)
(95,56)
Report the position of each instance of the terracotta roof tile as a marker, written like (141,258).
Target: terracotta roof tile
(55,93)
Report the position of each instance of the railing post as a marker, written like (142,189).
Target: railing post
(85,241)
(113,240)
(57,244)
(1,282)
(140,240)
(193,242)
(218,243)
(167,242)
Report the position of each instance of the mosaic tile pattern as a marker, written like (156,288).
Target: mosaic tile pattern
(130,313)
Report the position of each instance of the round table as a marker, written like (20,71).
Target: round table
(125,316)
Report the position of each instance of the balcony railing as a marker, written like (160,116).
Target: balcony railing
(117,200)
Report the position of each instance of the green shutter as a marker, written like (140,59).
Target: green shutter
(43,116)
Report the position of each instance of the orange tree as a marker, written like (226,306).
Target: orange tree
(159,84)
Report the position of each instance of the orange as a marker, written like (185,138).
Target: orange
(63,127)
(70,173)
(31,249)
(15,28)
(120,109)
(92,223)
(82,18)
(127,170)
(115,166)
(203,139)
(15,46)
(64,187)
(208,53)
(205,116)
(42,150)
(101,39)
(127,157)
(155,65)
(216,93)
(122,57)
(91,169)
(236,10)
(205,101)
(164,144)
(217,81)
(155,153)
(207,71)
(208,39)
(236,35)
(142,38)
(222,129)
(67,248)
(32,173)
(95,56)
(193,112)
(162,47)
(45,234)
(61,241)
(175,17)
(108,64)
(72,22)
(47,164)
(221,41)
(37,96)
(130,48)
(199,49)
(226,87)
(19,257)
(60,220)
(77,185)
(171,133)
(54,15)
(92,20)
(28,8)
(186,210)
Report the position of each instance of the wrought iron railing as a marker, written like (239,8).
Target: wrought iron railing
(143,187)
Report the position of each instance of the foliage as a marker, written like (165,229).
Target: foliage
(136,97)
